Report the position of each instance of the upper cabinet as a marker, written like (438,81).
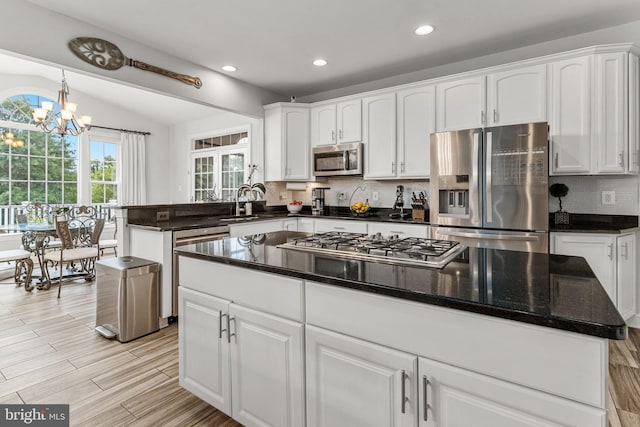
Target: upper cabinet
(379,136)
(517,96)
(570,116)
(336,123)
(287,151)
(461,104)
(416,108)
(593,123)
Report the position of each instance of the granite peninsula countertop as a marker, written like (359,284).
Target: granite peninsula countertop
(550,290)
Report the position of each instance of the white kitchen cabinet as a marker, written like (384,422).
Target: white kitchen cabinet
(626,275)
(517,96)
(204,367)
(634,113)
(379,136)
(612,259)
(337,123)
(290,224)
(287,149)
(461,104)
(453,397)
(355,383)
(326,225)
(570,116)
(402,230)
(258,227)
(244,361)
(416,121)
(306,224)
(610,125)
(267,368)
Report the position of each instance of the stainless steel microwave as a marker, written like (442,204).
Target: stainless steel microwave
(339,159)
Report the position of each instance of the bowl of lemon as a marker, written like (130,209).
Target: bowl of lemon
(360,208)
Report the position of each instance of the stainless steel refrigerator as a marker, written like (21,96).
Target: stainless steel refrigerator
(489,187)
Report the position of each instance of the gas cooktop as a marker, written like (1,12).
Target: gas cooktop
(391,249)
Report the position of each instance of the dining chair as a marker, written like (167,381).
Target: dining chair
(78,244)
(110,243)
(24,266)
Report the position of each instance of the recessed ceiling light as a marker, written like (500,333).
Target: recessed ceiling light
(319,62)
(229,68)
(424,30)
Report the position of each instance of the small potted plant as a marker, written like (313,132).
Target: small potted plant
(560,191)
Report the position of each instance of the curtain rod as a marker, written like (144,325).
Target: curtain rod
(122,130)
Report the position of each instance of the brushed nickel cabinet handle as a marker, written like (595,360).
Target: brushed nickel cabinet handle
(621,158)
(425,403)
(495,116)
(229,334)
(402,167)
(610,254)
(556,160)
(333,135)
(403,394)
(220,330)
(341,134)
(393,167)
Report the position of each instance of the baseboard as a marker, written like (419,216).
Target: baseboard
(634,321)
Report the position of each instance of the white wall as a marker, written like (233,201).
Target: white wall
(181,135)
(47,41)
(585,194)
(110,115)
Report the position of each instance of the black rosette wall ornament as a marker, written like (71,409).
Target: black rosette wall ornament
(560,191)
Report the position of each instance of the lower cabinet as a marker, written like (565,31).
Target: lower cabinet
(612,257)
(246,363)
(453,397)
(355,383)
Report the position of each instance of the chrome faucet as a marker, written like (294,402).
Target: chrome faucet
(242,189)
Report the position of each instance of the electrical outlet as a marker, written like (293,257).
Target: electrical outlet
(162,216)
(608,197)
(283,195)
(375,195)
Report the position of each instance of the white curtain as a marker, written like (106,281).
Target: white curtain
(132,171)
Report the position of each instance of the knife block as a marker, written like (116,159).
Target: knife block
(418,212)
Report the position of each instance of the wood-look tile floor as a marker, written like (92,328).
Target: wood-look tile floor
(49,353)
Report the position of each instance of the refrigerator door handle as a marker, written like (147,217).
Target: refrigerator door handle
(489,205)
(474,176)
(489,236)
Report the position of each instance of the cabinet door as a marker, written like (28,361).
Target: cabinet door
(305,224)
(204,351)
(267,368)
(517,96)
(570,116)
(599,251)
(349,121)
(379,136)
(453,397)
(610,112)
(416,122)
(259,227)
(627,275)
(355,383)
(296,140)
(634,113)
(290,224)
(323,125)
(461,104)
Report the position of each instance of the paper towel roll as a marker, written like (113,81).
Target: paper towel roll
(296,186)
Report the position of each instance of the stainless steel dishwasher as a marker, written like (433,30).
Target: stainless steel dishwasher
(127,297)
(190,237)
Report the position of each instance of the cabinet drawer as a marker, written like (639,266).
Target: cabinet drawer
(351,226)
(267,292)
(402,230)
(559,362)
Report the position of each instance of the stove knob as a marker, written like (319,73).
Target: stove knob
(378,236)
(396,237)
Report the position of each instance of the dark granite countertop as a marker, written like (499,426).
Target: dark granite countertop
(592,223)
(550,290)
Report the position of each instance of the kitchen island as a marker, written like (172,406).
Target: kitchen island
(274,336)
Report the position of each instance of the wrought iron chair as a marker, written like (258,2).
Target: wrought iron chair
(110,243)
(24,266)
(79,233)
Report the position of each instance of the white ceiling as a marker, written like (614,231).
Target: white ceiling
(272,42)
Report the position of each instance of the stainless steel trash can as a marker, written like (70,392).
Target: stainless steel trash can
(127,297)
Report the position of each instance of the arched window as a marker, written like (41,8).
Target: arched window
(45,168)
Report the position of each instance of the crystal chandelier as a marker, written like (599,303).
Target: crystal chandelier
(9,139)
(62,117)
